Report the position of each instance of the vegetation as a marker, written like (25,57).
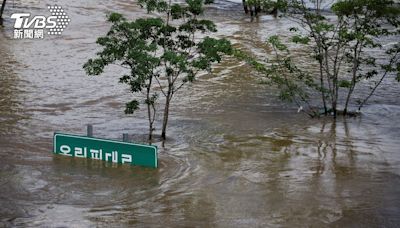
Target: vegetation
(256,6)
(161,54)
(343,50)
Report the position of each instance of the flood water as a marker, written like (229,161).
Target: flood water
(236,156)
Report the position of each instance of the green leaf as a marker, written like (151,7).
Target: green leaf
(398,72)
(94,66)
(275,42)
(131,107)
(115,17)
(195,6)
(345,83)
(177,11)
(151,100)
(300,39)
(193,25)
(154,5)
(213,49)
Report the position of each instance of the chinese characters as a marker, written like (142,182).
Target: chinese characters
(28,33)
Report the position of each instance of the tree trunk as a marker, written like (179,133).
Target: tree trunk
(354,77)
(351,89)
(246,10)
(321,77)
(149,106)
(3,5)
(251,12)
(334,109)
(257,9)
(347,102)
(166,114)
(323,96)
(150,122)
(336,96)
(150,134)
(274,12)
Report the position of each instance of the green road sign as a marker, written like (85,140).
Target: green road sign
(105,150)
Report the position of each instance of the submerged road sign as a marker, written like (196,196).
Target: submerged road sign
(105,150)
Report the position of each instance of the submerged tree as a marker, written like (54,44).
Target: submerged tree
(343,50)
(131,45)
(162,54)
(257,6)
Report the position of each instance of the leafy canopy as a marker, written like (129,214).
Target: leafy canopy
(169,50)
(153,47)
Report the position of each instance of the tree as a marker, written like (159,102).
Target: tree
(163,52)
(256,6)
(342,49)
(131,45)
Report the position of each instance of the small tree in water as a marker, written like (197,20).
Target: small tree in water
(343,50)
(161,54)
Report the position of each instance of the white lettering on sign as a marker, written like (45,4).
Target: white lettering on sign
(81,152)
(96,154)
(64,149)
(113,155)
(126,158)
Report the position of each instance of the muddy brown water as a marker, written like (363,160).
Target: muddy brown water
(236,156)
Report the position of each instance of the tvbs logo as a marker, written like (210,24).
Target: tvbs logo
(28,27)
(38,22)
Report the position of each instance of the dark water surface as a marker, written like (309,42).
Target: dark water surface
(236,156)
